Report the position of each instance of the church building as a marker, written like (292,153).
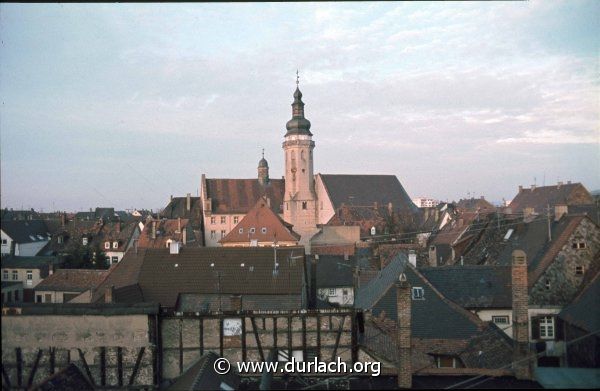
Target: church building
(303,199)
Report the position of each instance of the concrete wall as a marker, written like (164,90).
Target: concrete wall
(112,342)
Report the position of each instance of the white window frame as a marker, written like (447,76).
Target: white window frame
(547,327)
(241,230)
(223,219)
(213,234)
(252,230)
(223,233)
(577,273)
(107,245)
(438,362)
(504,320)
(115,245)
(418,293)
(114,259)
(4,242)
(263,230)
(331,292)
(15,275)
(5,274)
(236,219)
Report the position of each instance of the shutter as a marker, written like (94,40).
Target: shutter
(559,328)
(535,328)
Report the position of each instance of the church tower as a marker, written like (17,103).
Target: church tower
(263,170)
(300,200)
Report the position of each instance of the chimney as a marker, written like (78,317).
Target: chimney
(375,205)
(174,247)
(412,258)
(108,294)
(403,332)
(437,215)
(520,188)
(153,229)
(236,302)
(188,202)
(390,207)
(533,187)
(568,182)
(118,226)
(520,325)
(184,236)
(179,224)
(63,219)
(268,202)
(560,210)
(558,185)
(171,197)
(432,256)
(482,197)
(527,211)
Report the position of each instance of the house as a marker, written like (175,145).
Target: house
(335,277)
(65,285)
(187,207)
(537,198)
(203,278)
(116,238)
(581,322)
(10,214)
(436,336)
(261,227)
(27,272)
(161,233)
(23,237)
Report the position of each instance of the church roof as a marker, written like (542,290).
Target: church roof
(366,190)
(240,195)
(266,224)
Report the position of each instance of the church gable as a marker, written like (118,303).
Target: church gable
(230,196)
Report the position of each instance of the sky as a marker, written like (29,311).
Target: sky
(123,105)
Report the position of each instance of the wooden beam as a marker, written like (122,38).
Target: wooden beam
(52,361)
(34,368)
(103,366)
(319,336)
(19,355)
(337,338)
(221,336)
(289,336)
(136,367)
(244,353)
(85,366)
(120,365)
(258,345)
(275,332)
(354,338)
(304,355)
(201,321)
(181,346)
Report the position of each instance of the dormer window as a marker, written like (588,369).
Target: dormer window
(241,230)
(236,219)
(115,244)
(84,241)
(263,230)
(418,293)
(106,245)
(252,230)
(578,245)
(579,270)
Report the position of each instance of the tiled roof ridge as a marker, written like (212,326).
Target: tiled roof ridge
(554,249)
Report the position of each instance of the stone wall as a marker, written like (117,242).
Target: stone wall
(564,283)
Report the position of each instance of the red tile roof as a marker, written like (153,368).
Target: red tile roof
(72,280)
(165,229)
(261,218)
(240,195)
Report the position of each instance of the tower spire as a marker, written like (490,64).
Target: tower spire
(297,79)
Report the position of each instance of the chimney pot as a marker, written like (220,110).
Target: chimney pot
(520,188)
(403,336)
(520,314)
(189,202)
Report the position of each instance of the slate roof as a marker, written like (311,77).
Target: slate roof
(202,376)
(166,229)
(259,217)
(72,280)
(26,231)
(240,195)
(14,262)
(473,286)
(539,197)
(584,310)
(366,190)
(198,302)
(334,271)
(379,295)
(177,208)
(474,204)
(161,281)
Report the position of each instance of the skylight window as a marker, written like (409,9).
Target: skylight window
(508,234)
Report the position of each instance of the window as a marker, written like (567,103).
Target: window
(15,275)
(252,230)
(241,230)
(47,298)
(213,220)
(16,295)
(263,230)
(29,276)
(59,239)
(223,219)
(418,293)
(578,245)
(5,274)
(38,298)
(448,362)
(579,270)
(84,241)
(345,292)
(548,285)
(222,233)
(501,320)
(115,244)
(107,245)
(115,260)
(9,296)
(213,234)
(4,242)
(331,291)
(304,205)
(236,219)
(547,327)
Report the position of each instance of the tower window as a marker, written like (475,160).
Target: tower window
(304,205)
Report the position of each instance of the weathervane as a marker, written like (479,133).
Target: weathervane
(297,78)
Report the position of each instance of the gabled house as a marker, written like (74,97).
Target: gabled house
(536,199)
(261,227)
(187,207)
(65,285)
(23,237)
(161,233)
(116,238)
(196,279)
(440,337)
